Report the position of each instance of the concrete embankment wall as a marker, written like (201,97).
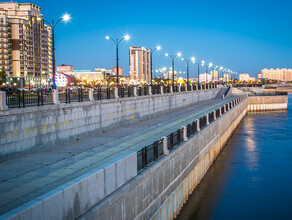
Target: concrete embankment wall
(160,191)
(267,103)
(34,128)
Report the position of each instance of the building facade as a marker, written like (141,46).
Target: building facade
(25,43)
(244,77)
(114,71)
(277,74)
(65,68)
(140,64)
(214,75)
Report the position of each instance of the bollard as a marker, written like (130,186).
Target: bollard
(214,112)
(171,89)
(207,119)
(220,111)
(165,149)
(135,91)
(224,108)
(223,97)
(56,97)
(192,89)
(90,94)
(150,90)
(198,125)
(3,105)
(179,89)
(185,137)
(116,93)
(161,89)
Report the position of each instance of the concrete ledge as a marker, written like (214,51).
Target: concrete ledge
(28,130)
(267,103)
(77,196)
(153,187)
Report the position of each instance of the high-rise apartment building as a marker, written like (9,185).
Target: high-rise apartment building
(114,71)
(25,43)
(214,75)
(140,64)
(277,74)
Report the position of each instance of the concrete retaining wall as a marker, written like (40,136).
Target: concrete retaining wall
(159,191)
(267,103)
(34,128)
(77,196)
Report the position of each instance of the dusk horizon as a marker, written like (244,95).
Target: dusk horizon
(243,37)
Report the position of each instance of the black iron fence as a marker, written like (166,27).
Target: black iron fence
(156,89)
(124,92)
(149,154)
(153,152)
(100,93)
(39,97)
(23,98)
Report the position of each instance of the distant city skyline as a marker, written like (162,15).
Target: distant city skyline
(243,37)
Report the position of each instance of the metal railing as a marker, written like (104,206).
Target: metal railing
(225,94)
(22,98)
(38,97)
(153,152)
(148,154)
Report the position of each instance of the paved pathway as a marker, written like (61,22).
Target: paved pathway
(30,176)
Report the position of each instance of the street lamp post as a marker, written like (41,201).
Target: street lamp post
(173,58)
(187,62)
(151,52)
(210,65)
(53,25)
(221,68)
(117,43)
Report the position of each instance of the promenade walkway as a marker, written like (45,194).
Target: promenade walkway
(31,176)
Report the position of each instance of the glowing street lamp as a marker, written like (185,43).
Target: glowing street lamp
(188,60)
(117,43)
(65,18)
(151,52)
(173,58)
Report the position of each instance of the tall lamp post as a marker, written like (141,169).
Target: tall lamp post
(117,43)
(53,25)
(173,58)
(210,65)
(151,52)
(188,60)
(198,63)
(221,68)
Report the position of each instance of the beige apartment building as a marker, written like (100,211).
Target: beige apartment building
(214,74)
(277,74)
(25,43)
(65,68)
(140,64)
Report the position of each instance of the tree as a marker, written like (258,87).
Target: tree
(2,77)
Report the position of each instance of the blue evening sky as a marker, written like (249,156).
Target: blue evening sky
(244,36)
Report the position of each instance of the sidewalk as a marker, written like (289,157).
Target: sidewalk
(30,176)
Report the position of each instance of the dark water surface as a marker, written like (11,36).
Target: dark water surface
(252,176)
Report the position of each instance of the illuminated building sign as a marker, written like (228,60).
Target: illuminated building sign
(61,80)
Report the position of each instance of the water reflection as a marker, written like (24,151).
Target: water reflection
(251,178)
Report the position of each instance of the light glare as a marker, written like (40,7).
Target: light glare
(66,17)
(127,37)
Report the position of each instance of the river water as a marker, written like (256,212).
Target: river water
(252,176)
